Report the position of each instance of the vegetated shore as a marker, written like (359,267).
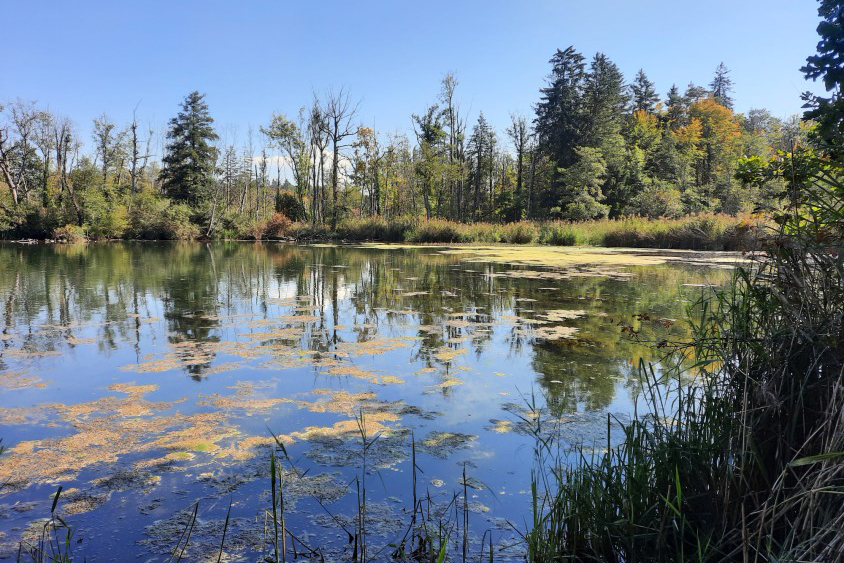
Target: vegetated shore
(716,232)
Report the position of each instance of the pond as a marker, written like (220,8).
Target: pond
(146,377)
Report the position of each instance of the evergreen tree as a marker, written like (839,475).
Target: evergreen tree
(722,86)
(645,97)
(604,100)
(189,160)
(582,196)
(828,112)
(675,104)
(480,148)
(695,93)
(559,113)
(430,135)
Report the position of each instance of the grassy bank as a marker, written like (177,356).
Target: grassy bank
(698,232)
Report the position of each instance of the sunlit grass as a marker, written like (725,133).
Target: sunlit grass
(694,232)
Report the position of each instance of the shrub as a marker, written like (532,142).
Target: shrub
(177,223)
(557,233)
(277,225)
(70,234)
(436,230)
(110,224)
(305,230)
(287,204)
(480,232)
(519,233)
(658,199)
(272,227)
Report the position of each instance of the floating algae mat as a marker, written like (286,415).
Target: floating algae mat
(154,381)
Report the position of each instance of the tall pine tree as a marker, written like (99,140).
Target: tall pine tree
(189,160)
(722,86)
(559,113)
(604,100)
(645,97)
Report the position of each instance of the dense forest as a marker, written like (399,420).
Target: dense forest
(595,146)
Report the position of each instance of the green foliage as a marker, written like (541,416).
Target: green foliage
(560,111)
(189,160)
(657,199)
(177,223)
(519,233)
(70,234)
(828,112)
(645,97)
(287,204)
(582,181)
(557,233)
(437,230)
(111,223)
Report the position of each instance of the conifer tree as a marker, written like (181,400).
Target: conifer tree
(189,160)
(559,113)
(722,86)
(604,100)
(645,97)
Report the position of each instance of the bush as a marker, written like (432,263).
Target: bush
(287,204)
(305,230)
(480,232)
(658,199)
(436,230)
(376,228)
(153,218)
(557,233)
(519,233)
(273,227)
(110,224)
(277,225)
(177,223)
(70,234)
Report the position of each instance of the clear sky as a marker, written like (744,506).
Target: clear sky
(253,57)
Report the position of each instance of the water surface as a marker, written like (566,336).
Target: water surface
(144,377)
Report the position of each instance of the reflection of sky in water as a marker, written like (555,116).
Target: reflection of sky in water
(236,339)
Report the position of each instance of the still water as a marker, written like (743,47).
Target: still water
(144,377)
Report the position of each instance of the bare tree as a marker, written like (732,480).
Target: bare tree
(16,148)
(317,130)
(339,113)
(7,147)
(136,159)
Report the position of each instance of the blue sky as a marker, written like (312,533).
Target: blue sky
(85,57)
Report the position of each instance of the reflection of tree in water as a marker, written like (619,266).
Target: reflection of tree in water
(583,372)
(371,292)
(190,291)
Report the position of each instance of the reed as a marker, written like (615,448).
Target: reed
(694,232)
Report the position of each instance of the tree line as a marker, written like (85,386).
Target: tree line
(596,146)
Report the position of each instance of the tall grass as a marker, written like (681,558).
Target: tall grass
(697,232)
